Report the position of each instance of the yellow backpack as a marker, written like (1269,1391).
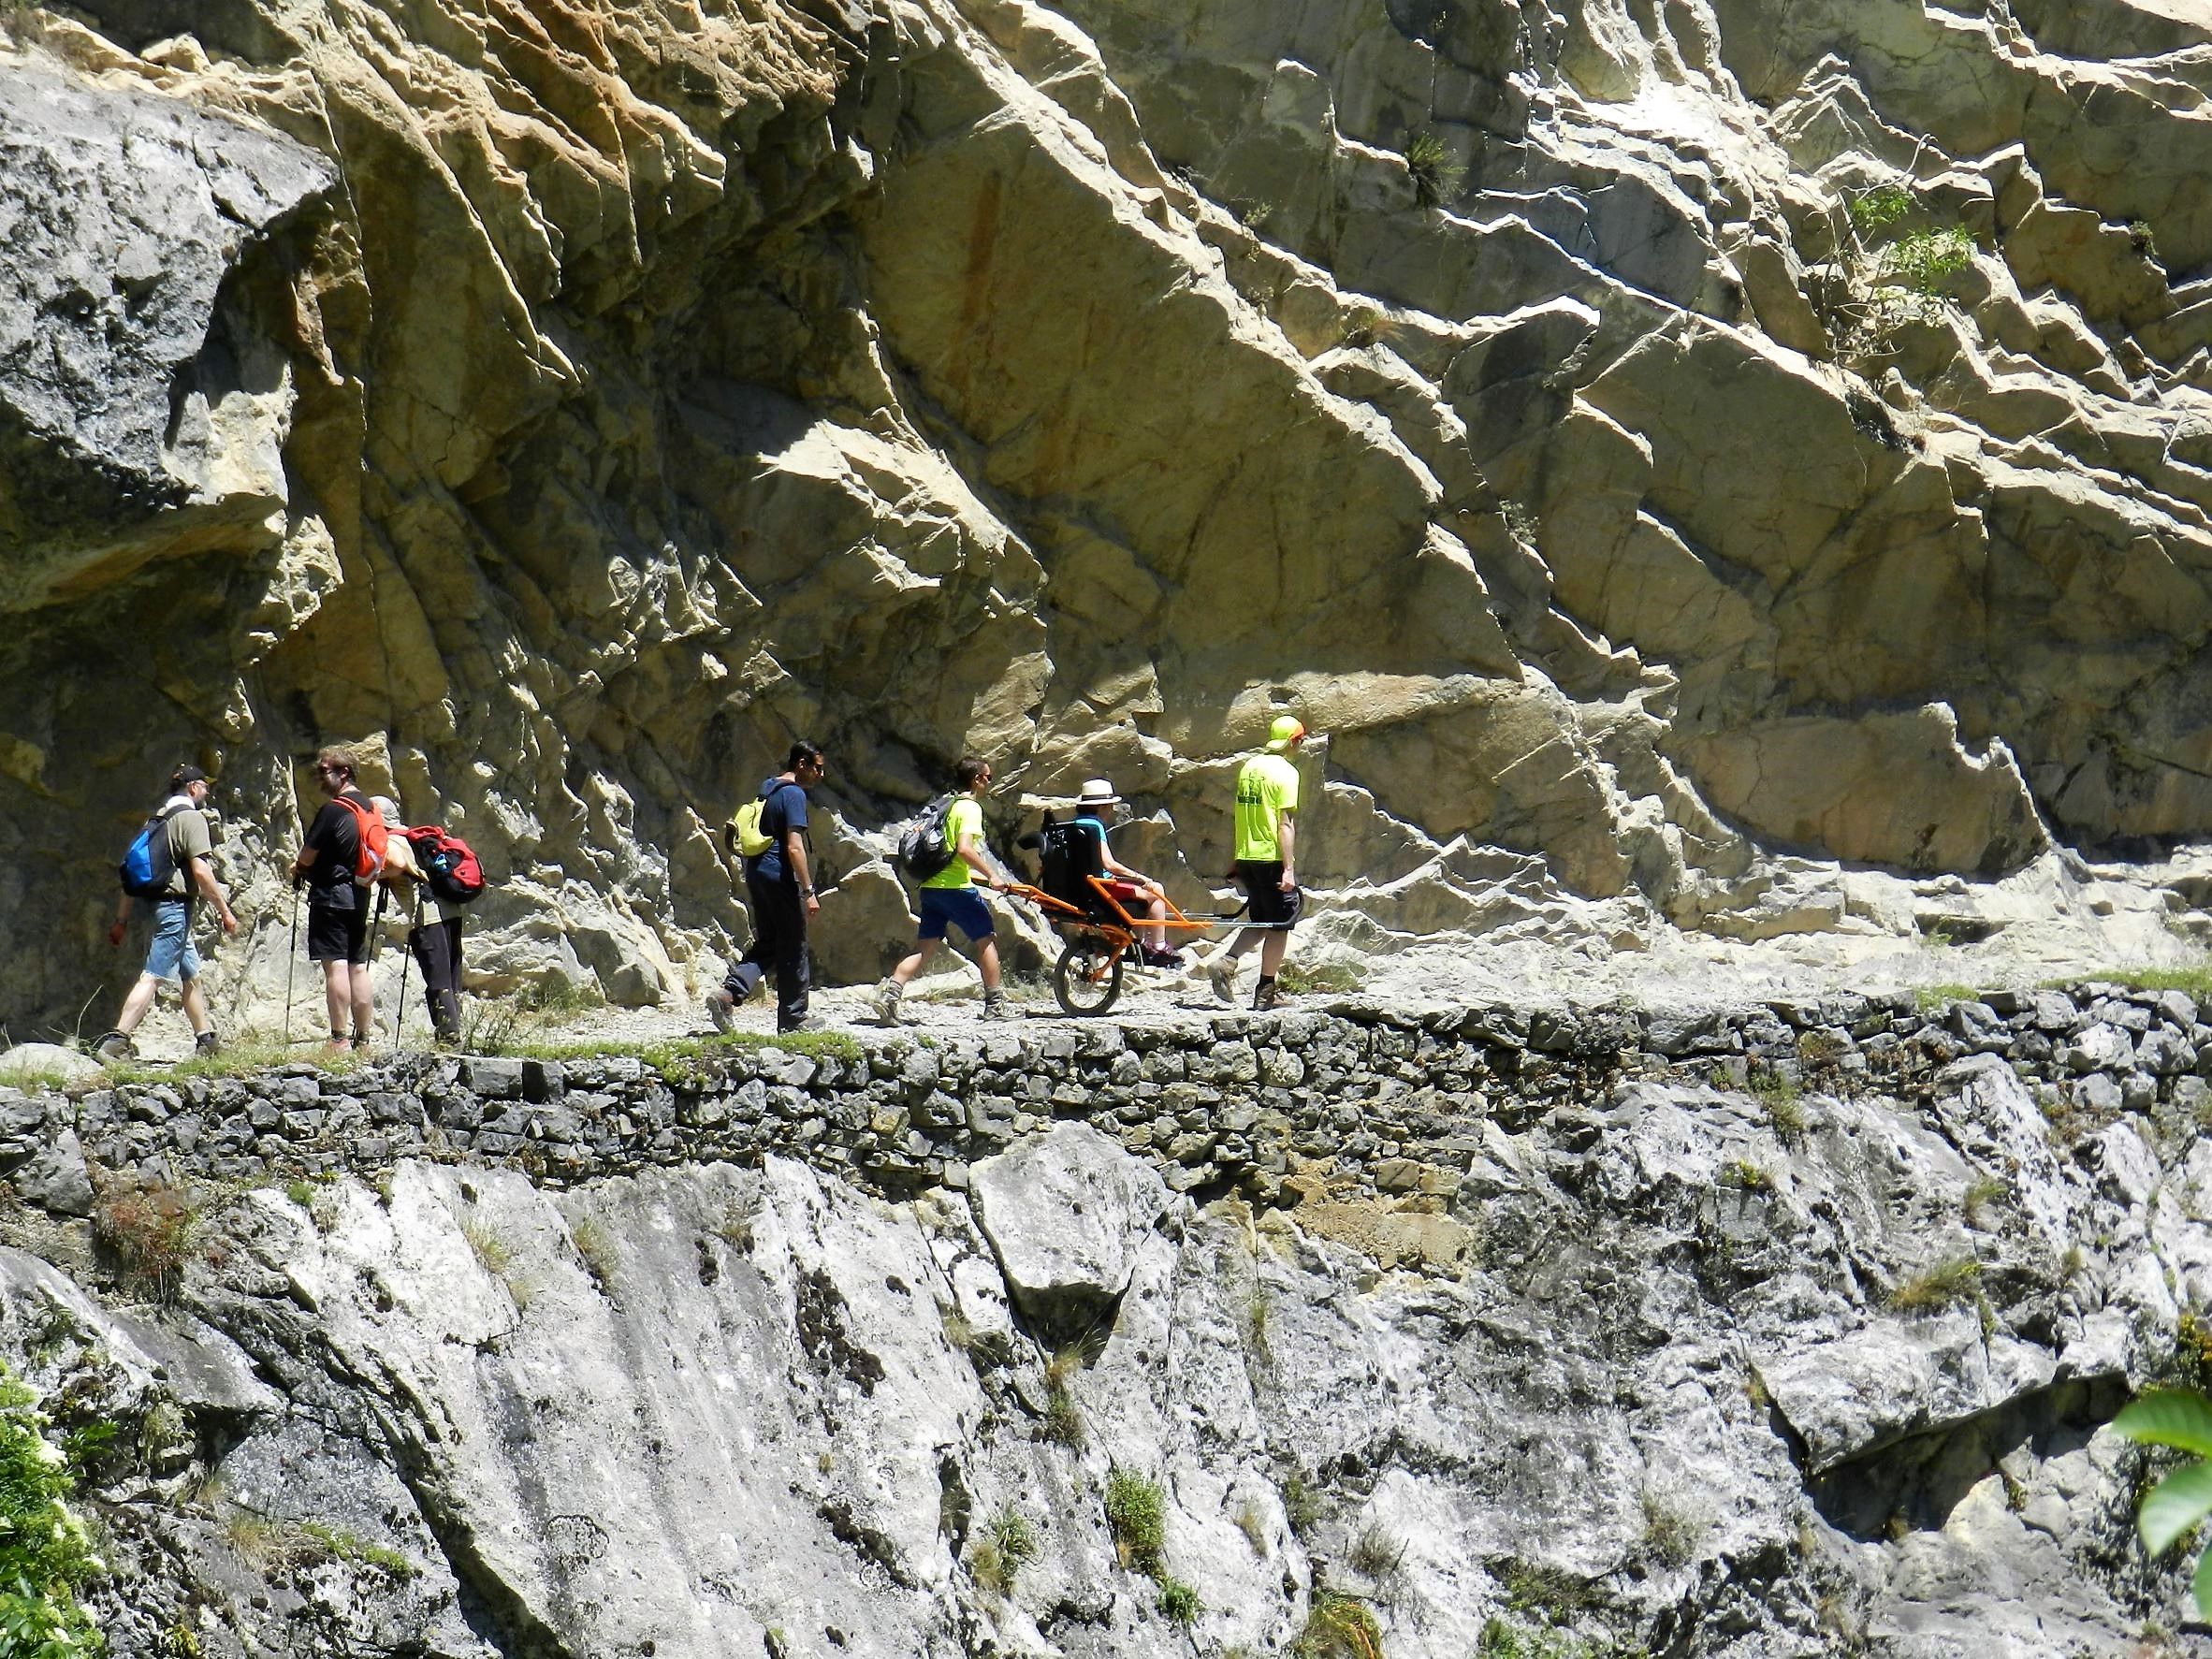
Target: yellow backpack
(745,829)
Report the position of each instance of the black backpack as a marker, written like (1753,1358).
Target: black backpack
(923,849)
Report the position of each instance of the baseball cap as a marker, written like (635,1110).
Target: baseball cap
(1288,729)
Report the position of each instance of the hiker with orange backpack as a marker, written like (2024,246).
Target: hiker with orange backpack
(434,874)
(345,849)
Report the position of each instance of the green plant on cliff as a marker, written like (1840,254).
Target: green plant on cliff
(1875,211)
(1338,1626)
(1918,262)
(1137,1511)
(1947,1285)
(150,1229)
(1436,175)
(45,1554)
(2180,1418)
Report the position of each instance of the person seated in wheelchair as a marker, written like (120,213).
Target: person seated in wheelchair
(1094,811)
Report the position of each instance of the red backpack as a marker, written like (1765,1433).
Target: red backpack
(372,840)
(448,864)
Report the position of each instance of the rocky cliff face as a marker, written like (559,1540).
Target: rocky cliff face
(1474,1334)
(1661,446)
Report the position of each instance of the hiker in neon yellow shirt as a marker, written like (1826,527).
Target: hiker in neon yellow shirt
(949,899)
(1266,861)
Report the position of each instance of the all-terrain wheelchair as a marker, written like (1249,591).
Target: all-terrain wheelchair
(1077,898)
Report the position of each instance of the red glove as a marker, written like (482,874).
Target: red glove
(115,935)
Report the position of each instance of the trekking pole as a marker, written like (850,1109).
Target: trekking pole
(291,958)
(399,1013)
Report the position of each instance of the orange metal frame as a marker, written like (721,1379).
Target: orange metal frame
(1120,929)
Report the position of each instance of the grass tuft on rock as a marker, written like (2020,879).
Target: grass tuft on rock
(1338,1626)
(1137,1511)
(1948,1285)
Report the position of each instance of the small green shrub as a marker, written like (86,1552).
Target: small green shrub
(1745,1176)
(1436,175)
(46,1556)
(1338,1626)
(335,1544)
(1951,1284)
(1875,211)
(1179,1604)
(150,1230)
(2140,239)
(1136,1511)
(1919,261)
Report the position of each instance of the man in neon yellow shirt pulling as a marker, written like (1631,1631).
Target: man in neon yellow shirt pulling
(949,898)
(1266,861)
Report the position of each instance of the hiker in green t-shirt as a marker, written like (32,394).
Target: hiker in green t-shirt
(1266,861)
(949,899)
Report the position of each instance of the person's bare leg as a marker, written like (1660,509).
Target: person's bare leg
(337,992)
(136,1005)
(987,960)
(913,965)
(364,1000)
(196,1008)
(1272,952)
(1158,911)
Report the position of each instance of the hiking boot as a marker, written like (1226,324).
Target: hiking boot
(115,1046)
(206,1043)
(1266,996)
(799,1027)
(1156,956)
(884,1002)
(996,1007)
(1221,973)
(721,1007)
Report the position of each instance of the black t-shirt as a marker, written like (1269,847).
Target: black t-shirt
(335,836)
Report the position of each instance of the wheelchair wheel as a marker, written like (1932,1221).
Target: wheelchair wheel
(1088,977)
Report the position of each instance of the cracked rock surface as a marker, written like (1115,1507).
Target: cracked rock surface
(1706,1373)
(1712,470)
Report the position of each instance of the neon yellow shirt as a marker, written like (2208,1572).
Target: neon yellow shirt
(964,820)
(1267,787)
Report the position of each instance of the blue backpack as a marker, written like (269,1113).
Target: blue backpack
(147,869)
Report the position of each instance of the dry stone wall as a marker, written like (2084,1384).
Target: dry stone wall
(1275,1108)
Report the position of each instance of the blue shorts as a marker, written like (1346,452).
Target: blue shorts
(171,956)
(955,907)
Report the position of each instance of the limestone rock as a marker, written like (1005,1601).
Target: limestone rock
(1102,1205)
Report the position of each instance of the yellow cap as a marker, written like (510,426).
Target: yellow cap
(1287,730)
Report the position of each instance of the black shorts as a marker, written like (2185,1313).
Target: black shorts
(1263,883)
(337,936)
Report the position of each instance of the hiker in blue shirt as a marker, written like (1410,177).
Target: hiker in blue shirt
(780,888)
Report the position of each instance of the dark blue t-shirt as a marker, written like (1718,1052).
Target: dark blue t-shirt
(786,811)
